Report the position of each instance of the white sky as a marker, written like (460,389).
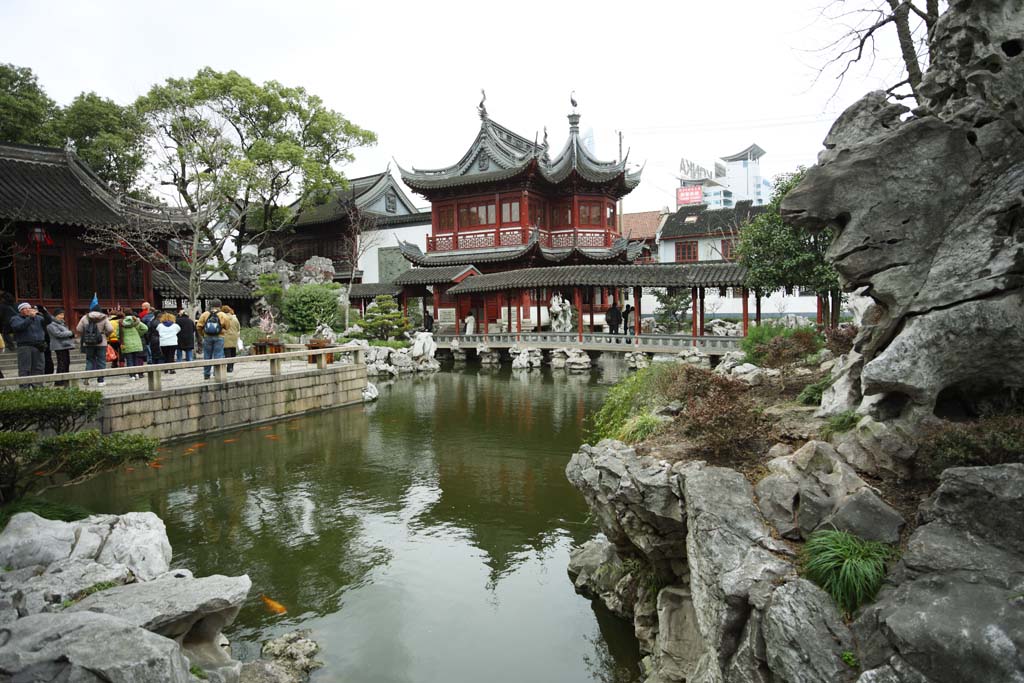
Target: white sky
(683,78)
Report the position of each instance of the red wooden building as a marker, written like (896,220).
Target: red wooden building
(48,199)
(510,204)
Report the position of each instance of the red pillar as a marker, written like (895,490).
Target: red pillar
(746,311)
(637,291)
(818,299)
(437,300)
(591,309)
(405,305)
(578,300)
(693,314)
(700,292)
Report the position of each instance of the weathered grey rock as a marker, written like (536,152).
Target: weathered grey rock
(777,497)
(138,540)
(844,393)
(63,580)
(31,540)
(866,515)
(952,610)
(290,657)
(879,448)
(370,392)
(800,613)
(679,640)
(190,611)
(928,210)
(88,648)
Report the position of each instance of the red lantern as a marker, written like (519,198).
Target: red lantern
(39,237)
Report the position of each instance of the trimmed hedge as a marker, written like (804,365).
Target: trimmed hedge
(47,408)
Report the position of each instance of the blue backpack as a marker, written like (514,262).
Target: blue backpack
(212,327)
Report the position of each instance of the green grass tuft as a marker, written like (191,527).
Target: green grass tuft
(811,394)
(198,672)
(850,659)
(837,424)
(44,508)
(848,568)
(639,428)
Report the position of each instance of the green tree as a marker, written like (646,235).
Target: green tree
(27,114)
(30,462)
(780,256)
(306,306)
(384,319)
(108,137)
(673,308)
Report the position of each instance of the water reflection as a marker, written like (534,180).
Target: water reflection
(423,538)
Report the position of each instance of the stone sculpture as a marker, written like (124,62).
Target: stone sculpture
(929,211)
(560,312)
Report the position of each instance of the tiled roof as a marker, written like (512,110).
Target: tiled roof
(50,185)
(175,285)
(433,276)
(690,221)
(372,290)
(621,250)
(642,225)
(334,205)
(390,221)
(654,275)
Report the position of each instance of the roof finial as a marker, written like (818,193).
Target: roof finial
(572,99)
(481,109)
(545,137)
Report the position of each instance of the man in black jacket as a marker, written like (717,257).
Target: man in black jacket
(186,337)
(613,316)
(29,328)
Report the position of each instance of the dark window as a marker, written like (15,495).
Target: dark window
(590,213)
(445,219)
(727,249)
(86,284)
(686,251)
(102,267)
(475,215)
(28,276)
(52,280)
(537,211)
(136,281)
(121,291)
(561,215)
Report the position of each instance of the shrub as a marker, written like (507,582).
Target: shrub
(839,340)
(724,420)
(811,394)
(640,427)
(48,408)
(846,567)
(384,319)
(627,395)
(774,345)
(268,286)
(989,441)
(306,306)
(837,424)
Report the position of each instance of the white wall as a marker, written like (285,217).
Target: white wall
(388,237)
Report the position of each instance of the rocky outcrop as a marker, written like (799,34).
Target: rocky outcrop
(573,360)
(487,355)
(96,600)
(929,211)
(524,357)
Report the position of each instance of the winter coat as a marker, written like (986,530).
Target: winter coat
(613,316)
(232,328)
(187,333)
(61,338)
(626,314)
(102,324)
(115,335)
(133,331)
(7,313)
(29,330)
(206,316)
(168,333)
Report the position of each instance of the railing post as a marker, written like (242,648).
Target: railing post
(275,366)
(220,373)
(359,357)
(321,361)
(73,383)
(155,379)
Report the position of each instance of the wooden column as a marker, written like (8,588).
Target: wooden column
(818,299)
(700,292)
(757,306)
(591,291)
(746,311)
(578,300)
(637,291)
(405,304)
(437,300)
(508,301)
(693,314)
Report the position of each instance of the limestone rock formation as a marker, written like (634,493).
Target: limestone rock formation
(317,270)
(525,357)
(929,211)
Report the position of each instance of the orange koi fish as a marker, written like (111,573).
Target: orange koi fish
(273,605)
(129,469)
(264,428)
(274,437)
(199,445)
(155,465)
(230,440)
(40,473)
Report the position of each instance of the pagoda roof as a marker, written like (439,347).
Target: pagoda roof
(363,192)
(371,290)
(51,185)
(435,276)
(622,250)
(648,275)
(497,153)
(697,219)
(752,153)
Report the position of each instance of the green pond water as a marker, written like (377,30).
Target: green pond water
(422,538)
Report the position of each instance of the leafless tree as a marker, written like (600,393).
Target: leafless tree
(865,22)
(360,237)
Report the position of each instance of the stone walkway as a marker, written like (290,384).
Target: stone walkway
(121,386)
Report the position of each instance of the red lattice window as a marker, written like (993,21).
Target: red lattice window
(728,248)
(686,251)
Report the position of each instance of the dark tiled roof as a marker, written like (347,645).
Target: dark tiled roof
(373,289)
(752,152)
(389,221)
(654,275)
(333,206)
(50,185)
(703,221)
(621,250)
(433,276)
(172,284)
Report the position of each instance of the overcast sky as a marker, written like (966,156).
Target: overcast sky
(679,79)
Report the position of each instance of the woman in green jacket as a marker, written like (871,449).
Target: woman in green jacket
(133,331)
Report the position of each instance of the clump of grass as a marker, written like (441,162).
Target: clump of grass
(811,394)
(640,427)
(837,424)
(848,568)
(44,508)
(198,672)
(95,588)
(850,659)
(989,441)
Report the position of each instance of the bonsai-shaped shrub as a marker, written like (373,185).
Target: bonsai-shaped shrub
(846,567)
(305,307)
(32,463)
(384,319)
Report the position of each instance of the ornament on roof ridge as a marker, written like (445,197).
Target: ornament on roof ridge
(572,99)
(481,109)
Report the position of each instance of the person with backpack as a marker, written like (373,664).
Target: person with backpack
(133,336)
(62,340)
(167,331)
(211,331)
(186,337)
(93,330)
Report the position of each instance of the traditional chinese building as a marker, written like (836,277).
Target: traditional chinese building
(510,204)
(49,198)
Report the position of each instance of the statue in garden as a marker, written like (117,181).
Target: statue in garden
(560,312)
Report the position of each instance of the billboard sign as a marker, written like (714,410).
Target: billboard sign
(690,194)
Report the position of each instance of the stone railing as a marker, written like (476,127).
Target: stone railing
(598,341)
(154,373)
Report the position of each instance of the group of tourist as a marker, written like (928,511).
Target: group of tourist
(614,317)
(120,337)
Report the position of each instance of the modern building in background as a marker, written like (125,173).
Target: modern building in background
(735,178)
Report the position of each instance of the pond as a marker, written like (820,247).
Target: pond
(422,538)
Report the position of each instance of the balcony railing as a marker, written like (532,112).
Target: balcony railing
(513,237)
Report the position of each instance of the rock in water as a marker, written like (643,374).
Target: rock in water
(88,648)
(929,210)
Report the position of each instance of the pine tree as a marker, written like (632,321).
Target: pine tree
(384,319)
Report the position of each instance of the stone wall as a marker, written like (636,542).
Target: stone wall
(186,412)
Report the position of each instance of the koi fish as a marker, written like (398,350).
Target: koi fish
(264,428)
(199,445)
(230,440)
(274,437)
(273,605)
(129,469)
(155,465)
